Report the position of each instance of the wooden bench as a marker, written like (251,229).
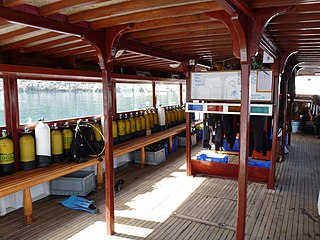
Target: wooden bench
(24,180)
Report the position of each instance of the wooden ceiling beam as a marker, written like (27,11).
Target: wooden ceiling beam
(220,38)
(71,46)
(177,29)
(183,10)
(199,44)
(296,33)
(10,36)
(295,18)
(43,23)
(48,45)
(29,42)
(186,35)
(148,50)
(300,6)
(294,27)
(167,22)
(126,8)
(62,6)
(14,3)
(74,52)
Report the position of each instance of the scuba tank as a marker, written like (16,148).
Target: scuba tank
(176,117)
(114,131)
(128,127)
(67,134)
(180,118)
(143,124)
(43,144)
(148,127)
(121,129)
(7,164)
(138,124)
(168,118)
(155,120)
(161,118)
(56,144)
(27,150)
(172,120)
(151,121)
(97,131)
(132,126)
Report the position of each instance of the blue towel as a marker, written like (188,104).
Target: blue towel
(79,203)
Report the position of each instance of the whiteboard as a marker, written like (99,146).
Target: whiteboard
(226,85)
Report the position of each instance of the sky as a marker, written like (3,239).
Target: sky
(308,85)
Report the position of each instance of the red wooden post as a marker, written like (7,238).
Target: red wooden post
(12,112)
(275,124)
(181,94)
(106,56)
(187,67)
(154,97)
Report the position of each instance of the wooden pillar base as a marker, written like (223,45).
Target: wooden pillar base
(142,157)
(170,144)
(99,176)
(27,206)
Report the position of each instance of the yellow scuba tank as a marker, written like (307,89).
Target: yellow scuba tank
(175,113)
(180,115)
(148,126)
(168,118)
(97,131)
(27,150)
(114,131)
(155,120)
(67,134)
(121,129)
(143,124)
(7,164)
(172,117)
(128,127)
(56,144)
(138,124)
(132,125)
(151,120)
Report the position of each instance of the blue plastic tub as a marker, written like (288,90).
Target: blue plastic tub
(165,145)
(235,146)
(258,163)
(174,144)
(221,159)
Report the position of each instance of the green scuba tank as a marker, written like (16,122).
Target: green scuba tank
(138,124)
(128,127)
(143,124)
(121,129)
(27,150)
(114,131)
(67,134)
(7,166)
(56,144)
(132,126)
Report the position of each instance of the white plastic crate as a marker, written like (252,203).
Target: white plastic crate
(79,183)
(151,158)
(182,140)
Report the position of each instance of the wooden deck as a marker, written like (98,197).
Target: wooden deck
(160,202)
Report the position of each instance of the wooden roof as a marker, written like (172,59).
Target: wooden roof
(177,30)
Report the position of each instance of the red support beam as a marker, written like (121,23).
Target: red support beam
(275,123)
(112,36)
(154,97)
(187,68)
(12,112)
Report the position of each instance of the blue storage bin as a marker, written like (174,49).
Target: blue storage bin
(165,145)
(235,148)
(174,144)
(200,135)
(221,158)
(258,163)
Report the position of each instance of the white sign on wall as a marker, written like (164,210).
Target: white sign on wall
(226,85)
